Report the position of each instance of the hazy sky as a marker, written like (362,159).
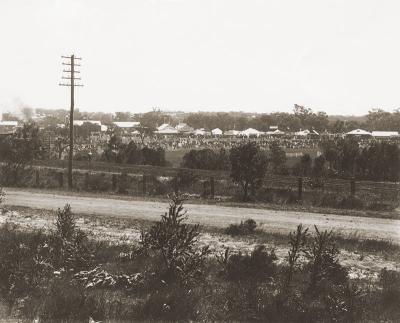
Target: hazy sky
(342,57)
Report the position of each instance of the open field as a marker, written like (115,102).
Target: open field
(211,215)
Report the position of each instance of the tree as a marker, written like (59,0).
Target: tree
(318,169)
(304,166)
(278,157)
(206,159)
(248,167)
(17,151)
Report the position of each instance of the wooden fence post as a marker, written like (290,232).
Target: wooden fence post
(86,184)
(37,178)
(61,179)
(212,187)
(352,187)
(205,189)
(300,187)
(114,181)
(144,184)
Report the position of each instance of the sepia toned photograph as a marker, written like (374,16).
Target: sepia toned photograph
(199,161)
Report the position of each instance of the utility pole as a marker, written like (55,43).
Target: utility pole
(71,77)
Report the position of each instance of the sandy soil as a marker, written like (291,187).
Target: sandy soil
(211,215)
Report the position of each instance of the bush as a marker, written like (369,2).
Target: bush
(98,182)
(258,266)
(176,243)
(351,202)
(71,249)
(247,227)
(390,282)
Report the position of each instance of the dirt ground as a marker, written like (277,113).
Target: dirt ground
(211,215)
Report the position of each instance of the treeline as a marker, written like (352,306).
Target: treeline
(300,118)
(345,158)
(118,152)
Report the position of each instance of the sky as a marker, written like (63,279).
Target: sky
(338,56)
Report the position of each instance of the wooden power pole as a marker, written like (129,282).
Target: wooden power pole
(71,77)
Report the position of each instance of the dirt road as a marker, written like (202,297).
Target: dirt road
(220,216)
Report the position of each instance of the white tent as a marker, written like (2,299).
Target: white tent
(303,133)
(385,134)
(276,132)
(251,132)
(358,132)
(216,132)
(81,122)
(127,124)
(167,131)
(199,132)
(232,133)
(164,126)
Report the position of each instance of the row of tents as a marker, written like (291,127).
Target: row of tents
(166,129)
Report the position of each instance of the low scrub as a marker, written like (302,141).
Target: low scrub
(169,275)
(243,228)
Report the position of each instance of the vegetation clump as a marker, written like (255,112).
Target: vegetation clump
(243,228)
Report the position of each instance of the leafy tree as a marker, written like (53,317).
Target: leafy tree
(318,169)
(278,157)
(17,152)
(304,166)
(248,167)
(206,159)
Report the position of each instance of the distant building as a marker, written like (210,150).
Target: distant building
(166,129)
(126,124)
(359,133)
(184,128)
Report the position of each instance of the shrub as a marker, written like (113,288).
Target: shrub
(98,182)
(390,282)
(323,266)
(351,202)
(176,243)
(298,245)
(258,266)
(70,247)
(247,227)
(24,265)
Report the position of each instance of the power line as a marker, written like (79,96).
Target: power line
(71,77)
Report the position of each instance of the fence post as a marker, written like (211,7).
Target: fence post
(37,179)
(144,184)
(114,181)
(86,184)
(61,179)
(205,189)
(212,188)
(352,187)
(300,187)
